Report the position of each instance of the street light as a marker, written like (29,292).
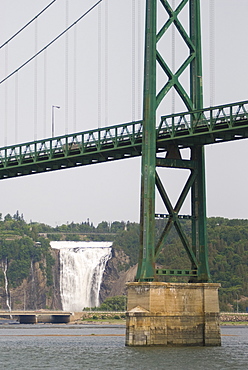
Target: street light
(53,106)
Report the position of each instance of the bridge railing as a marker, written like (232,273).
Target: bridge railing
(125,135)
(79,143)
(204,120)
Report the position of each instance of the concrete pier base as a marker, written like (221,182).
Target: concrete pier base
(173,314)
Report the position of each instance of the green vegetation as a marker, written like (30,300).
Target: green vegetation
(22,244)
(228,256)
(128,240)
(108,317)
(228,260)
(18,255)
(117,303)
(20,247)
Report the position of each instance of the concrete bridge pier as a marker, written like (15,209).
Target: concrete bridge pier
(172,314)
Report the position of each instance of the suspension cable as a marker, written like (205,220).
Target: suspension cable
(133,59)
(99,65)
(139,60)
(27,24)
(6,99)
(45,93)
(106,63)
(75,82)
(173,59)
(212,51)
(51,42)
(16,107)
(66,68)
(35,79)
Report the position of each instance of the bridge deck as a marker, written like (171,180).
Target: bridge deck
(37,313)
(34,317)
(207,126)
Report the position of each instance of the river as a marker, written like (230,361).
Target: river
(70,347)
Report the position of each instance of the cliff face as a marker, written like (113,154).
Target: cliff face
(35,294)
(116,275)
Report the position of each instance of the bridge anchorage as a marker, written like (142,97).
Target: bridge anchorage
(162,313)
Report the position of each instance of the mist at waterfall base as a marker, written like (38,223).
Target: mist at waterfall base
(82,265)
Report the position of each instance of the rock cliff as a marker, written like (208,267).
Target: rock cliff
(34,293)
(116,275)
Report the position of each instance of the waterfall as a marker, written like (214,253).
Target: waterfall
(5,267)
(81,269)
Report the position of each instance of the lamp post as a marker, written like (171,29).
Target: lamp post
(53,106)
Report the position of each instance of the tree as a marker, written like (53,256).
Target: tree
(103,227)
(8,217)
(117,303)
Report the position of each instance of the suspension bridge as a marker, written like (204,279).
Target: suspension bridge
(158,138)
(158,312)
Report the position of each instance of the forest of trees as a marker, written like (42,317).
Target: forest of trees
(23,243)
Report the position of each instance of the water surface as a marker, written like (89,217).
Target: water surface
(103,347)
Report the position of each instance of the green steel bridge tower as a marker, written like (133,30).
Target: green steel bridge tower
(197,252)
(158,141)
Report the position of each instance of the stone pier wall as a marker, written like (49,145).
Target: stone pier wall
(172,314)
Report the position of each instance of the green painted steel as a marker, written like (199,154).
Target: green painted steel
(210,125)
(221,123)
(83,148)
(148,249)
(192,129)
(206,126)
(146,265)
(193,101)
(176,272)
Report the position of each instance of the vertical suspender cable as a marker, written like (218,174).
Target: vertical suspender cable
(212,51)
(133,59)
(173,59)
(66,68)
(6,98)
(16,107)
(45,93)
(99,64)
(106,63)
(75,81)
(139,61)
(35,79)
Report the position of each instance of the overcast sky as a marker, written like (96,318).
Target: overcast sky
(107,94)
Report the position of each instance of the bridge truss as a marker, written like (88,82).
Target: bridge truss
(155,57)
(159,142)
(206,126)
(184,130)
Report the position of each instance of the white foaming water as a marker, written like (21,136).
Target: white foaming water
(81,269)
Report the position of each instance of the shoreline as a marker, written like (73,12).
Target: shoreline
(119,319)
(119,323)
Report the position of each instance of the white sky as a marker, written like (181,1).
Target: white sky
(108,191)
